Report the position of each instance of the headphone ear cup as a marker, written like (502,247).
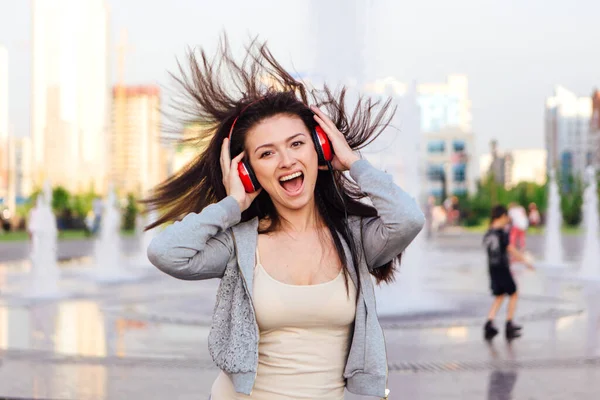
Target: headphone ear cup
(248,178)
(322,145)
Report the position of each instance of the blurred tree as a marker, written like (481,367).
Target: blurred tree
(60,199)
(477,206)
(82,203)
(130,214)
(571,200)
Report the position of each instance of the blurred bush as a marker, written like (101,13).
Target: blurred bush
(476,208)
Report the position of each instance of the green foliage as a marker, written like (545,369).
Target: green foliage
(476,207)
(130,214)
(63,202)
(60,199)
(571,200)
(81,204)
(23,209)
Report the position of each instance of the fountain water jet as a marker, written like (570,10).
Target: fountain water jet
(408,296)
(553,247)
(553,264)
(109,263)
(45,273)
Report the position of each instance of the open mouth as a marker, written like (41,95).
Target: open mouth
(292,183)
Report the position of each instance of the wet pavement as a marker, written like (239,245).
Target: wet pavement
(147,338)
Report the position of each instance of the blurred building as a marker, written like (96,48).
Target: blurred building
(447,144)
(442,104)
(3,93)
(495,164)
(450,170)
(595,129)
(15,152)
(3,126)
(511,167)
(445,104)
(70,93)
(449,141)
(137,159)
(569,145)
(20,172)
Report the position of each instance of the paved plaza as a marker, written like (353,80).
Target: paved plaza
(147,338)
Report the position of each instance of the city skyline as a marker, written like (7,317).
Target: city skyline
(513,62)
(70,92)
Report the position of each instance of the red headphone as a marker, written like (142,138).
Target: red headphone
(319,138)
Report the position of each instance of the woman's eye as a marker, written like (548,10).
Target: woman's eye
(297,143)
(265,154)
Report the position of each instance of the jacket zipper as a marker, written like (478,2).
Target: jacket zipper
(251,305)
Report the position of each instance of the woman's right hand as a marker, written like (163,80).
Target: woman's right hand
(231,178)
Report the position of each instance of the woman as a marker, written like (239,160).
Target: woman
(267,209)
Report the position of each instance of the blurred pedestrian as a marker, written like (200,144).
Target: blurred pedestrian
(519,224)
(534,215)
(502,284)
(98,209)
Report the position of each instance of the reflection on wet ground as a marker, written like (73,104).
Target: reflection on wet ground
(147,339)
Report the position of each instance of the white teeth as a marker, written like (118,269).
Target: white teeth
(291,176)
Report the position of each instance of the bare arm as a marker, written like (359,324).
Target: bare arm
(518,255)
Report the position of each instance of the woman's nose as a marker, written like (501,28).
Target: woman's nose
(287,160)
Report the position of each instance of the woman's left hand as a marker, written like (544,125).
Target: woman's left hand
(344,156)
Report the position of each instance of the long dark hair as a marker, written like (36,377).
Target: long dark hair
(216,91)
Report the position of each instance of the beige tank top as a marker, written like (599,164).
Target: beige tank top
(304,338)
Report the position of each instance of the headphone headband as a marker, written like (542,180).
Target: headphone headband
(240,114)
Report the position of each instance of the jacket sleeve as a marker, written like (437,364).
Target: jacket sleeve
(200,245)
(399,218)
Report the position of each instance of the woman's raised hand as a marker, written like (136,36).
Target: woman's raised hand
(344,156)
(231,178)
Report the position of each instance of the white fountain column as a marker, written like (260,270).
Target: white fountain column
(553,248)
(409,295)
(109,263)
(590,261)
(553,266)
(406,295)
(45,273)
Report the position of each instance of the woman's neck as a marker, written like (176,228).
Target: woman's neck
(300,220)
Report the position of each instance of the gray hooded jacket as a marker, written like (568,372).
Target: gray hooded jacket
(214,244)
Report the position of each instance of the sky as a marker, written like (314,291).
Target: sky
(513,52)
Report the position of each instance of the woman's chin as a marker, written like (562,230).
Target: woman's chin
(295,201)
